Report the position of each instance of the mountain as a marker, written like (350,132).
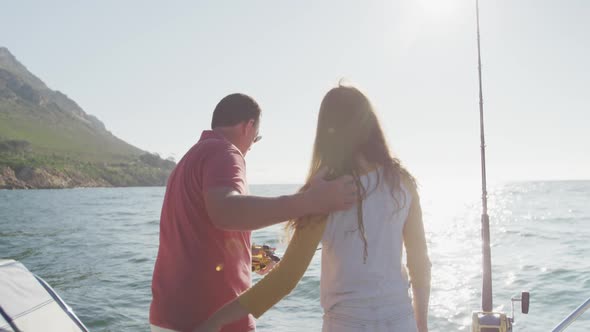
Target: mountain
(48,141)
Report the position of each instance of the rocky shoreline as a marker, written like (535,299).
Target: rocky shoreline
(48,178)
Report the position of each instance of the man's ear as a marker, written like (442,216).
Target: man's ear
(244,127)
(250,125)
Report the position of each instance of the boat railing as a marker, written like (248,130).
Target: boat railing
(572,316)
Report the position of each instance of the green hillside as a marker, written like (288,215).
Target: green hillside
(51,132)
(44,132)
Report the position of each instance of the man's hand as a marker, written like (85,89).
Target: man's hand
(326,196)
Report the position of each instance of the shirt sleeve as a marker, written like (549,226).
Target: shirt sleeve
(415,242)
(224,168)
(279,282)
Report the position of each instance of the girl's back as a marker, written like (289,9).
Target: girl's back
(371,289)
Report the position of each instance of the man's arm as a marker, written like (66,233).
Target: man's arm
(229,210)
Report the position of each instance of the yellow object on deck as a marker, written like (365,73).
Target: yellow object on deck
(262,256)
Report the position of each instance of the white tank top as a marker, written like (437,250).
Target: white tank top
(381,282)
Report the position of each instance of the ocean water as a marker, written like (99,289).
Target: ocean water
(97,248)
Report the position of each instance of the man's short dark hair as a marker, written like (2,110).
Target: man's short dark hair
(233,109)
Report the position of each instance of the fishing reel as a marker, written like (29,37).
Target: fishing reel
(262,256)
(497,321)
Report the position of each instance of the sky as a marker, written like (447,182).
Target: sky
(153,74)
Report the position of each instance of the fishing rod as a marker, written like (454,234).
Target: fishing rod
(486,320)
(486,298)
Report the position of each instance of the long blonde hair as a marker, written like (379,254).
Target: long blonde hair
(347,129)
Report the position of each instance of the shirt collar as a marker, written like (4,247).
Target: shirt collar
(210,134)
(207,134)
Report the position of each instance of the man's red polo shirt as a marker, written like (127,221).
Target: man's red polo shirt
(199,267)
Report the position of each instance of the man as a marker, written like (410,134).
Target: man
(204,258)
